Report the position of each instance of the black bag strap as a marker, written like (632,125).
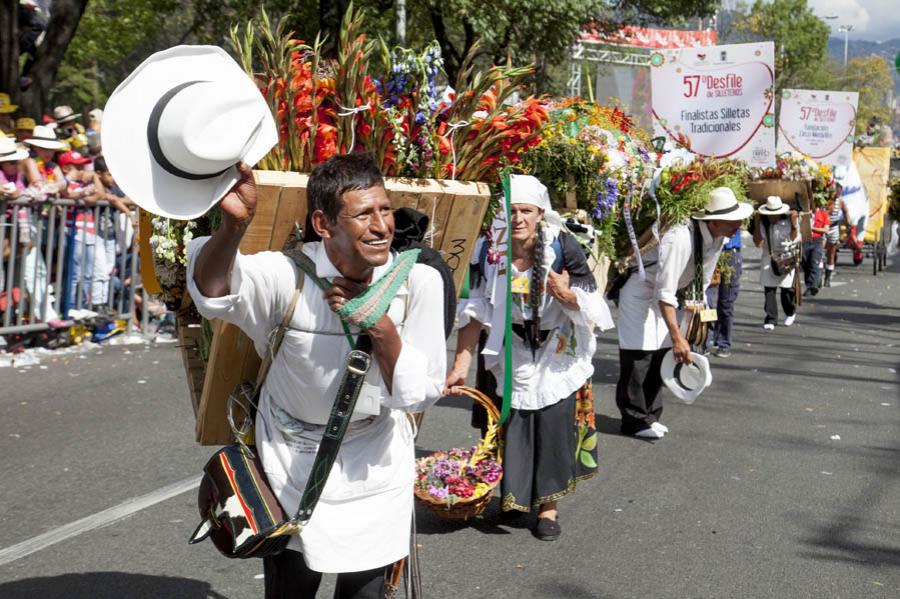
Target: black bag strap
(768,228)
(697,285)
(357,366)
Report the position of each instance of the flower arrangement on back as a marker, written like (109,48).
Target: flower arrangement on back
(386,101)
(597,153)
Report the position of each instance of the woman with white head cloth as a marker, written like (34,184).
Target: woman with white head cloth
(555,308)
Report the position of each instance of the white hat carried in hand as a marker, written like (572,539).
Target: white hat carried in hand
(774,206)
(176,128)
(723,205)
(686,381)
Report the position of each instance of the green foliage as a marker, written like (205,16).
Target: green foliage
(523,31)
(115,36)
(801,39)
(563,165)
(870,76)
(110,31)
(894,198)
(666,11)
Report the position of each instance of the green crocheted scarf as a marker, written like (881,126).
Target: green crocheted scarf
(365,309)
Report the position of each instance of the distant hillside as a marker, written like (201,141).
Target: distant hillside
(888,49)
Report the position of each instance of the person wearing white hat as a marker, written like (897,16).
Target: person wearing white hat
(648,307)
(12,175)
(42,170)
(69,129)
(555,309)
(776,231)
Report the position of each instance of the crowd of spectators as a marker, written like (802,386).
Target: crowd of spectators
(44,160)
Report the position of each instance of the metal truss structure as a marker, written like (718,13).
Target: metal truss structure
(605,53)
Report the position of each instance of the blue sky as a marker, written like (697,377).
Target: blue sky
(876,20)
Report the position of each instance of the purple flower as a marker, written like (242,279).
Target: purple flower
(437,492)
(606,199)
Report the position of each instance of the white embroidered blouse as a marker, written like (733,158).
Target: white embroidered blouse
(564,361)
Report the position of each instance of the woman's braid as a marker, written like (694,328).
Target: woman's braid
(536,291)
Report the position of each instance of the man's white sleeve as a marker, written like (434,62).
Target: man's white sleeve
(261,289)
(422,365)
(674,255)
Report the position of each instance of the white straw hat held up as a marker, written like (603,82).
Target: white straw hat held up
(723,205)
(176,128)
(774,206)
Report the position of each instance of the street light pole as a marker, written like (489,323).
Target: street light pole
(400,5)
(846,29)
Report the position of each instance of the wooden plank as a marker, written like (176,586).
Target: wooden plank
(145,253)
(786,190)
(223,373)
(259,234)
(469,205)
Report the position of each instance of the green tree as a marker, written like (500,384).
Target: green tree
(801,39)
(538,31)
(871,77)
(114,36)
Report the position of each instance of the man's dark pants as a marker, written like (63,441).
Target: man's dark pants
(723,298)
(637,392)
(813,252)
(288,577)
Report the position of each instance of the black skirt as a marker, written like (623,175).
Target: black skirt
(546,451)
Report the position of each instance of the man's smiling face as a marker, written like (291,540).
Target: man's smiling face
(364,228)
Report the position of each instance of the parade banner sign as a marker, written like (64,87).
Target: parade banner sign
(818,124)
(717,101)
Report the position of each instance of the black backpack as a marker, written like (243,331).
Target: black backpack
(410,227)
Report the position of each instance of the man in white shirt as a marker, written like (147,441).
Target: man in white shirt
(648,308)
(362,521)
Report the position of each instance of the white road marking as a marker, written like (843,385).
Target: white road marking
(98,520)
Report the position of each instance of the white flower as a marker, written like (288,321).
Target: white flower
(676,157)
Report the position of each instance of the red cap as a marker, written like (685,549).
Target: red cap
(72,158)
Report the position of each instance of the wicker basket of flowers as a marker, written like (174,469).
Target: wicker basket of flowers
(459,484)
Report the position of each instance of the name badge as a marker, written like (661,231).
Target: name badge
(709,315)
(519,285)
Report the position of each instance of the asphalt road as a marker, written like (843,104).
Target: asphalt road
(782,481)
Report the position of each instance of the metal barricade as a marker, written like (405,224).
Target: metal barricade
(60,255)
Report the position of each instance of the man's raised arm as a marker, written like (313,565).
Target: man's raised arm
(212,273)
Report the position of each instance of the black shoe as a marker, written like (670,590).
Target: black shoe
(814,291)
(827,282)
(547,529)
(807,291)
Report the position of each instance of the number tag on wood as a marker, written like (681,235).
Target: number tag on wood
(709,315)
